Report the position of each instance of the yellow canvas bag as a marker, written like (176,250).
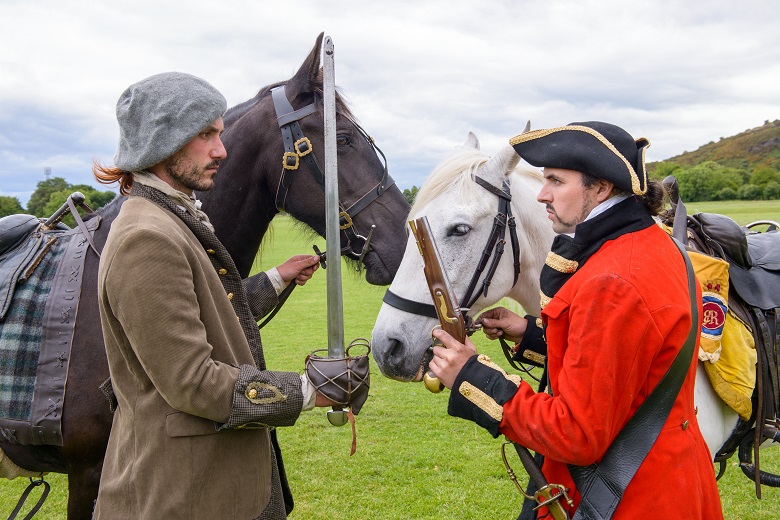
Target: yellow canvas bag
(713,276)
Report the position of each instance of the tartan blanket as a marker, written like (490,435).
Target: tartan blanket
(21,334)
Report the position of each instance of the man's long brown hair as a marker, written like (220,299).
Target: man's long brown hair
(653,199)
(110,175)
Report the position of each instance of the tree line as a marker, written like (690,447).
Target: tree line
(52,193)
(711,180)
(707,181)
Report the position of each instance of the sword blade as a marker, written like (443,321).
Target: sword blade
(332,233)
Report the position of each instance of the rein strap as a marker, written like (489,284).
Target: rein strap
(494,248)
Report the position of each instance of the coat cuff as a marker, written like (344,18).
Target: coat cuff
(263,399)
(532,349)
(480,391)
(260,294)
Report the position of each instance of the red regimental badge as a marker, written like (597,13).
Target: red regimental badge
(714,315)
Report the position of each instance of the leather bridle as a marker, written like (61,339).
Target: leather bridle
(494,248)
(298,147)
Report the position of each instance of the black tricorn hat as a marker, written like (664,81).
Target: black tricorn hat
(599,149)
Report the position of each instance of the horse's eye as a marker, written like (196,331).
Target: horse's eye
(458,230)
(343,140)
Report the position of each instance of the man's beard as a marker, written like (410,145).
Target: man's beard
(192,177)
(570,225)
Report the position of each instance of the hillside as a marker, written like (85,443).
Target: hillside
(752,149)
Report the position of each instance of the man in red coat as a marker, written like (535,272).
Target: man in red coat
(616,310)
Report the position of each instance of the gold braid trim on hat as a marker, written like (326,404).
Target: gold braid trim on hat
(642,158)
(561,264)
(536,134)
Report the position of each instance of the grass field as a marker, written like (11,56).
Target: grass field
(413,461)
(743,211)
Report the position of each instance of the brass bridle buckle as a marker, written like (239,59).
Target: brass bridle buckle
(290,161)
(303,146)
(347,219)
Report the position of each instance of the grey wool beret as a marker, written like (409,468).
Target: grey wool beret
(159,115)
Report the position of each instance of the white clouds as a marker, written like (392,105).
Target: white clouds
(420,75)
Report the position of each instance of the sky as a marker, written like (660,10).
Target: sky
(419,75)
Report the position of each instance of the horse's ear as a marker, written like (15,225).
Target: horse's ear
(309,75)
(527,127)
(504,162)
(471,141)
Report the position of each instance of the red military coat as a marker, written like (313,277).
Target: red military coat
(613,330)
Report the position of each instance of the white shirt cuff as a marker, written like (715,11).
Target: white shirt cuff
(276,280)
(309,395)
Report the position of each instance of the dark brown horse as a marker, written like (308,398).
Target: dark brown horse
(241,205)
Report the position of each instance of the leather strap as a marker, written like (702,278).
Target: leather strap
(282,298)
(602,485)
(297,147)
(83,227)
(33,484)
(493,248)
(399,302)
(57,337)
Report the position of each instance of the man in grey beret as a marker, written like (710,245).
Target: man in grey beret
(193,432)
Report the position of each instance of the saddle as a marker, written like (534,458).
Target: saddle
(754,258)
(19,248)
(41,267)
(754,298)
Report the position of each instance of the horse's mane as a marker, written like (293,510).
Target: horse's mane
(456,172)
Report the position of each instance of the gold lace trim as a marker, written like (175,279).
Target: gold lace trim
(485,360)
(482,400)
(253,391)
(561,264)
(544,299)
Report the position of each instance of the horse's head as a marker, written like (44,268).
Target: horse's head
(275,145)
(461,213)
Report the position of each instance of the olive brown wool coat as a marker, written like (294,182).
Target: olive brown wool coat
(613,330)
(181,368)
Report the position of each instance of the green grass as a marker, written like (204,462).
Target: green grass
(413,461)
(743,211)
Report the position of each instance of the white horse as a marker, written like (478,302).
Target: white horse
(460,215)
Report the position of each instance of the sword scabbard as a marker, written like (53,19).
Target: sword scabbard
(547,495)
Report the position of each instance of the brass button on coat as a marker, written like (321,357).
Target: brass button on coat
(210,251)
(230,296)
(222,271)
(252,393)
